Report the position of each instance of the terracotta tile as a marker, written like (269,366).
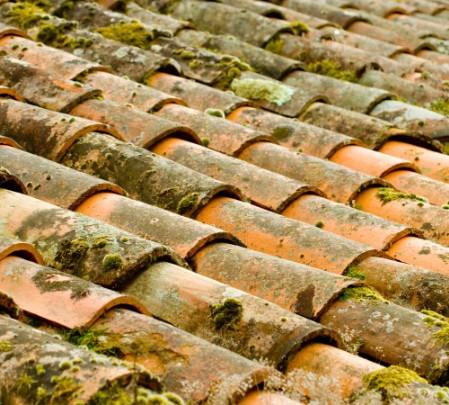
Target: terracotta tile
(264,62)
(437,73)
(79,303)
(68,66)
(434,165)
(325,361)
(418,93)
(263,331)
(421,27)
(184,235)
(121,90)
(133,125)
(292,134)
(223,19)
(260,398)
(77,244)
(4,140)
(422,253)
(170,185)
(58,368)
(252,180)
(279,236)
(406,285)
(350,96)
(196,95)
(182,361)
(44,132)
(11,182)
(14,247)
(389,333)
(383,8)
(344,221)
(339,183)
(218,133)
(371,162)
(434,191)
(40,88)
(9,30)
(433,56)
(373,132)
(431,220)
(51,182)
(301,289)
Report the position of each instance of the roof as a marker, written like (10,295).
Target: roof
(229,202)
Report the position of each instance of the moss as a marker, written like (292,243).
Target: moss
(354,272)
(196,63)
(133,33)
(329,68)
(392,382)
(205,142)
(24,383)
(112,261)
(226,315)
(173,398)
(319,224)
(187,203)
(434,319)
(299,27)
(25,15)
(386,195)
(440,106)
(40,370)
(361,294)
(95,340)
(64,8)
(5,346)
(258,89)
(446,148)
(214,112)
(275,45)
(281,132)
(56,37)
(64,389)
(185,54)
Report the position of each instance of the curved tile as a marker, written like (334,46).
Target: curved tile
(79,245)
(43,132)
(182,234)
(14,247)
(133,125)
(252,180)
(301,289)
(218,133)
(145,176)
(52,182)
(79,303)
(11,182)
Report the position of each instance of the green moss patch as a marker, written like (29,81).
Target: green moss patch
(354,272)
(214,112)
(133,34)
(57,37)
(333,69)
(5,346)
(434,319)
(259,89)
(112,261)
(299,27)
(25,15)
(440,106)
(446,148)
(361,294)
(275,45)
(386,195)
(392,382)
(226,315)
(187,203)
(96,340)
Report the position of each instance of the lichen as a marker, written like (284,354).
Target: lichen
(259,89)
(95,340)
(5,346)
(440,106)
(132,33)
(361,294)
(187,203)
(333,69)
(434,319)
(112,261)
(299,27)
(387,194)
(226,315)
(275,45)
(354,272)
(392,382)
